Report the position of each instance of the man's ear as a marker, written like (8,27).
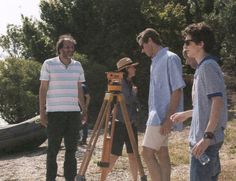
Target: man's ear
(150,40)
(201,43)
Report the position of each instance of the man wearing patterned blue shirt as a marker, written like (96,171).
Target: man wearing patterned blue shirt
(209,113)
(165,98)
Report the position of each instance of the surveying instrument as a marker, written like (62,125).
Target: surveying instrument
(113,98)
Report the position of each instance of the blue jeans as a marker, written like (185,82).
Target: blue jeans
(211,170)
(62,125)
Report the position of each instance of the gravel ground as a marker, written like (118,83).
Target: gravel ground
(28,166)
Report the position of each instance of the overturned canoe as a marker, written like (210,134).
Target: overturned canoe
(22,136)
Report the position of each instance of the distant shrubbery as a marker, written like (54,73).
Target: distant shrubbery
(19,83)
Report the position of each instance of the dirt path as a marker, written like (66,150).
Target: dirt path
(30,166)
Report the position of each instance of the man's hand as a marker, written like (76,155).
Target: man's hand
(200,147)
(135,90)
(181,116)
(83,112)
(166,127)
(84,118)
(43,119)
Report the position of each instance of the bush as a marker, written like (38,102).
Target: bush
(19,84)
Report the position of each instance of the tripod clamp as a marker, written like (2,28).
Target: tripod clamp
(103,164)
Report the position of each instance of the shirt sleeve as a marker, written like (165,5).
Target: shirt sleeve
(175,73)
(81,74)
(44,73)
(213,79)
(129,97)
(85,89)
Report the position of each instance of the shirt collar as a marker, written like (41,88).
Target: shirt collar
(71,62)
(207,58)
(160,53)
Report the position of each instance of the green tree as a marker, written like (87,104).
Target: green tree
(226,17)
(105,30)
(11,43)
(19,84)
(29,41)
(36,42)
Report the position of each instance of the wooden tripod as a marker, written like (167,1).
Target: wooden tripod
(115,97)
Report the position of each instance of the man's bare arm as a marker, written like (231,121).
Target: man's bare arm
(42,102)
(217,104)
(81,98)
(87,100)
(174,102)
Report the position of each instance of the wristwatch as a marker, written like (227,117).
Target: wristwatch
(208,135)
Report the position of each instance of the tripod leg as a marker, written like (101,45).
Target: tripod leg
(106,149)
(92,142)
(131,137)
(104,163)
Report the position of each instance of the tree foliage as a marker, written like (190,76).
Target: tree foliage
(226,24)
(105,31)
(11,43)
(36,42)
(168,19)
(30,41)
(18,89)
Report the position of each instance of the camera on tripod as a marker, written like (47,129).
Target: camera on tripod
(114,81)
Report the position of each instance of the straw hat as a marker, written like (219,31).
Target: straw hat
(124,63)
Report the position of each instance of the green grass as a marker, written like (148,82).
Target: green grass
(230,132)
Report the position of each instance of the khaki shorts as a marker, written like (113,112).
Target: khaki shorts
(153,138)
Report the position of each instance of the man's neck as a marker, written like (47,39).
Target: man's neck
(65,61)
(201,56)
(155,50)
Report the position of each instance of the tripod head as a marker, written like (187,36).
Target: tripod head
(114,81)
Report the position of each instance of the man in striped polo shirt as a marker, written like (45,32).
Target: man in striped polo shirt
(59,95)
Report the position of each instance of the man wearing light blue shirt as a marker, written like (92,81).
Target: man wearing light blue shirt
(165,98)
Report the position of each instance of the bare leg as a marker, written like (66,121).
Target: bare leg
(133,166)
(106,171)
(164,161)
(152,163)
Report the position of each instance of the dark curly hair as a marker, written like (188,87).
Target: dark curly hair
(201,32)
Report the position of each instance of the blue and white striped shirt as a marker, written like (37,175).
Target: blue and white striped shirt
(62,94)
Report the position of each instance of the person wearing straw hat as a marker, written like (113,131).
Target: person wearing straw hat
(165,98)
(129,91)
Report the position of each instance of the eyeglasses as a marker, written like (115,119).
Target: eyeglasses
(187,42)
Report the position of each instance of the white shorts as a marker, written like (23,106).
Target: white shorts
(153,138)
